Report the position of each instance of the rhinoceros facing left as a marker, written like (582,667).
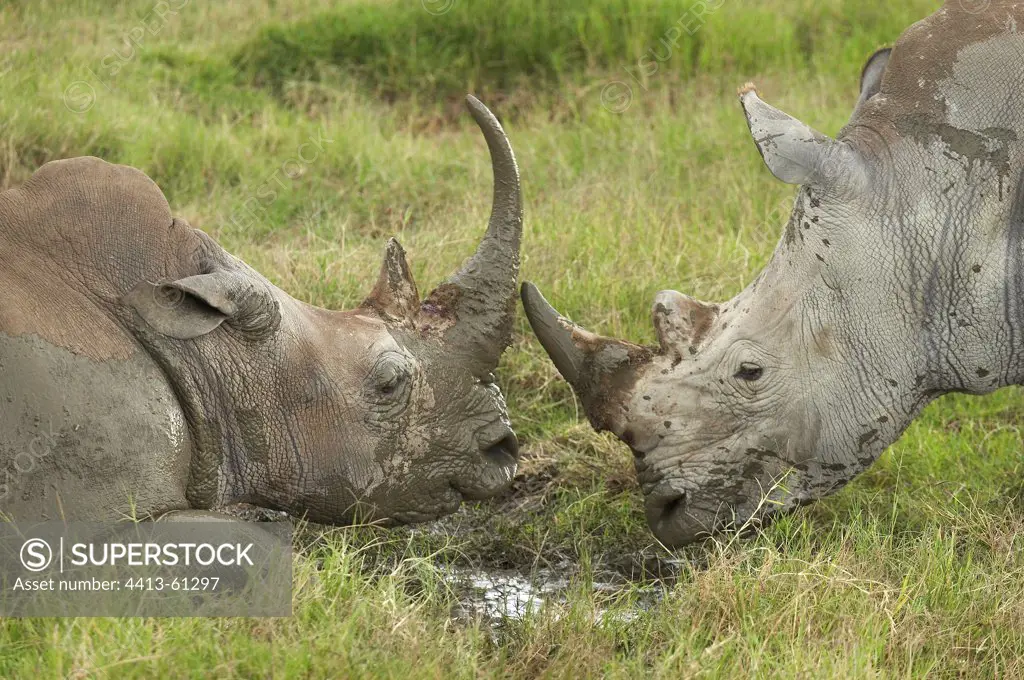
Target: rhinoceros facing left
(899,277)
(144,370)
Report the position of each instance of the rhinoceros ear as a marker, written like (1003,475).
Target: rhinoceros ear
(194,306)
(793,151)
(395,294)
(681,322)
(871,77)
(871,74)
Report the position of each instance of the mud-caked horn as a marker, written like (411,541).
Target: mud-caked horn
(479,299)
(600,369)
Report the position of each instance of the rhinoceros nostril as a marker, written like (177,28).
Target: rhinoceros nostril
(673,506)
(503,452)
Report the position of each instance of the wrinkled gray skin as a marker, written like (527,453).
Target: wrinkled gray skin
(145,370)
(900,277)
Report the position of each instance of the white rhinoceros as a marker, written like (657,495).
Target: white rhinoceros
(144,370)
(900,277)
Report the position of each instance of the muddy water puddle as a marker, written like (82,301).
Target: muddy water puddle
(501,596)
(620,589)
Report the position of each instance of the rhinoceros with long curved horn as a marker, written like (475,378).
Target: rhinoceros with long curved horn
(899,277)
(144,370)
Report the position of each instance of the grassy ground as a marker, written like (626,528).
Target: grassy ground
(638,175)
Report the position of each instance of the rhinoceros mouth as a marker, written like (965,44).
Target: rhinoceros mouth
(678,517)
(445,504)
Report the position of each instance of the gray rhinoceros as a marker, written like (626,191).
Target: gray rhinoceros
(899,277)
(143,369)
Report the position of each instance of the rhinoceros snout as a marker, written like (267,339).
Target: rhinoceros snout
(492,472)
(671,516)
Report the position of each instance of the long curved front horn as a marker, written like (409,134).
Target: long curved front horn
(481,294)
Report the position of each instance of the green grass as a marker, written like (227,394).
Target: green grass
(399,49)
(913,569)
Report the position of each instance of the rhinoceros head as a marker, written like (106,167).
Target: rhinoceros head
(895,280)
(432,407)
(725,416)
(386,412)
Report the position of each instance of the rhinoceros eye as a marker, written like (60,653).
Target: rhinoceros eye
(388,389)
(390,373)
(749,372)
(388,378)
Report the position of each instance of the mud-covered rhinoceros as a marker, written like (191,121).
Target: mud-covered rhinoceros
(144,370)
(899,277)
